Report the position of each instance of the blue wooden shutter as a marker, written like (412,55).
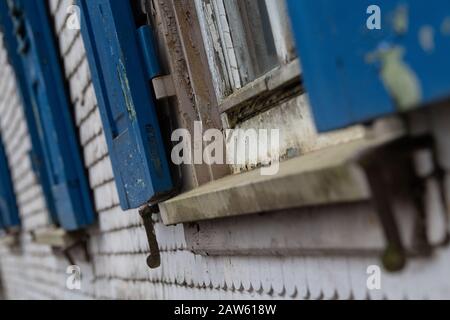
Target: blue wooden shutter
(50,107)
(122,86)
(9,214)
(36,154)
(343,62)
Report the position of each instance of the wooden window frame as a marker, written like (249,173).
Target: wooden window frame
(234,107)
(193,97)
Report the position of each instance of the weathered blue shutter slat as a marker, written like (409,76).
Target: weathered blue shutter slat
(121,79)
(36,154)
(353,74)
(50,107)
(9,213)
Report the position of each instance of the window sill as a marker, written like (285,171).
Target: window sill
(271,81)
(328,176)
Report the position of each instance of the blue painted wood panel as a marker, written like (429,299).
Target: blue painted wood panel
(353,74)
(45,86)
(9,214)
(121,75)
(36,154)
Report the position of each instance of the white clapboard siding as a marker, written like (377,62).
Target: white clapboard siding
(118,244)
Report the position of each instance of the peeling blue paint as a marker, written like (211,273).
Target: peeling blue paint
(121,80)
(343,85)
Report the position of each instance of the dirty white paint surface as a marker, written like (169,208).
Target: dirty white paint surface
(118,244)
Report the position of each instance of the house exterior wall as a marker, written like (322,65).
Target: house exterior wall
(118,245)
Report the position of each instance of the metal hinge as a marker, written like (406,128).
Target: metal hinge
(149,52)
(162,84)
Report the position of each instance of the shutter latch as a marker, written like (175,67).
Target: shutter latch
(146,213)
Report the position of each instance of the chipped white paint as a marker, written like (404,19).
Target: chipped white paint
(213,46)
(298,134)
(427,39)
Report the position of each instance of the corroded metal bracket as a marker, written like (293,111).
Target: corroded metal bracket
(391,172)
(63,242)
(81,241)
